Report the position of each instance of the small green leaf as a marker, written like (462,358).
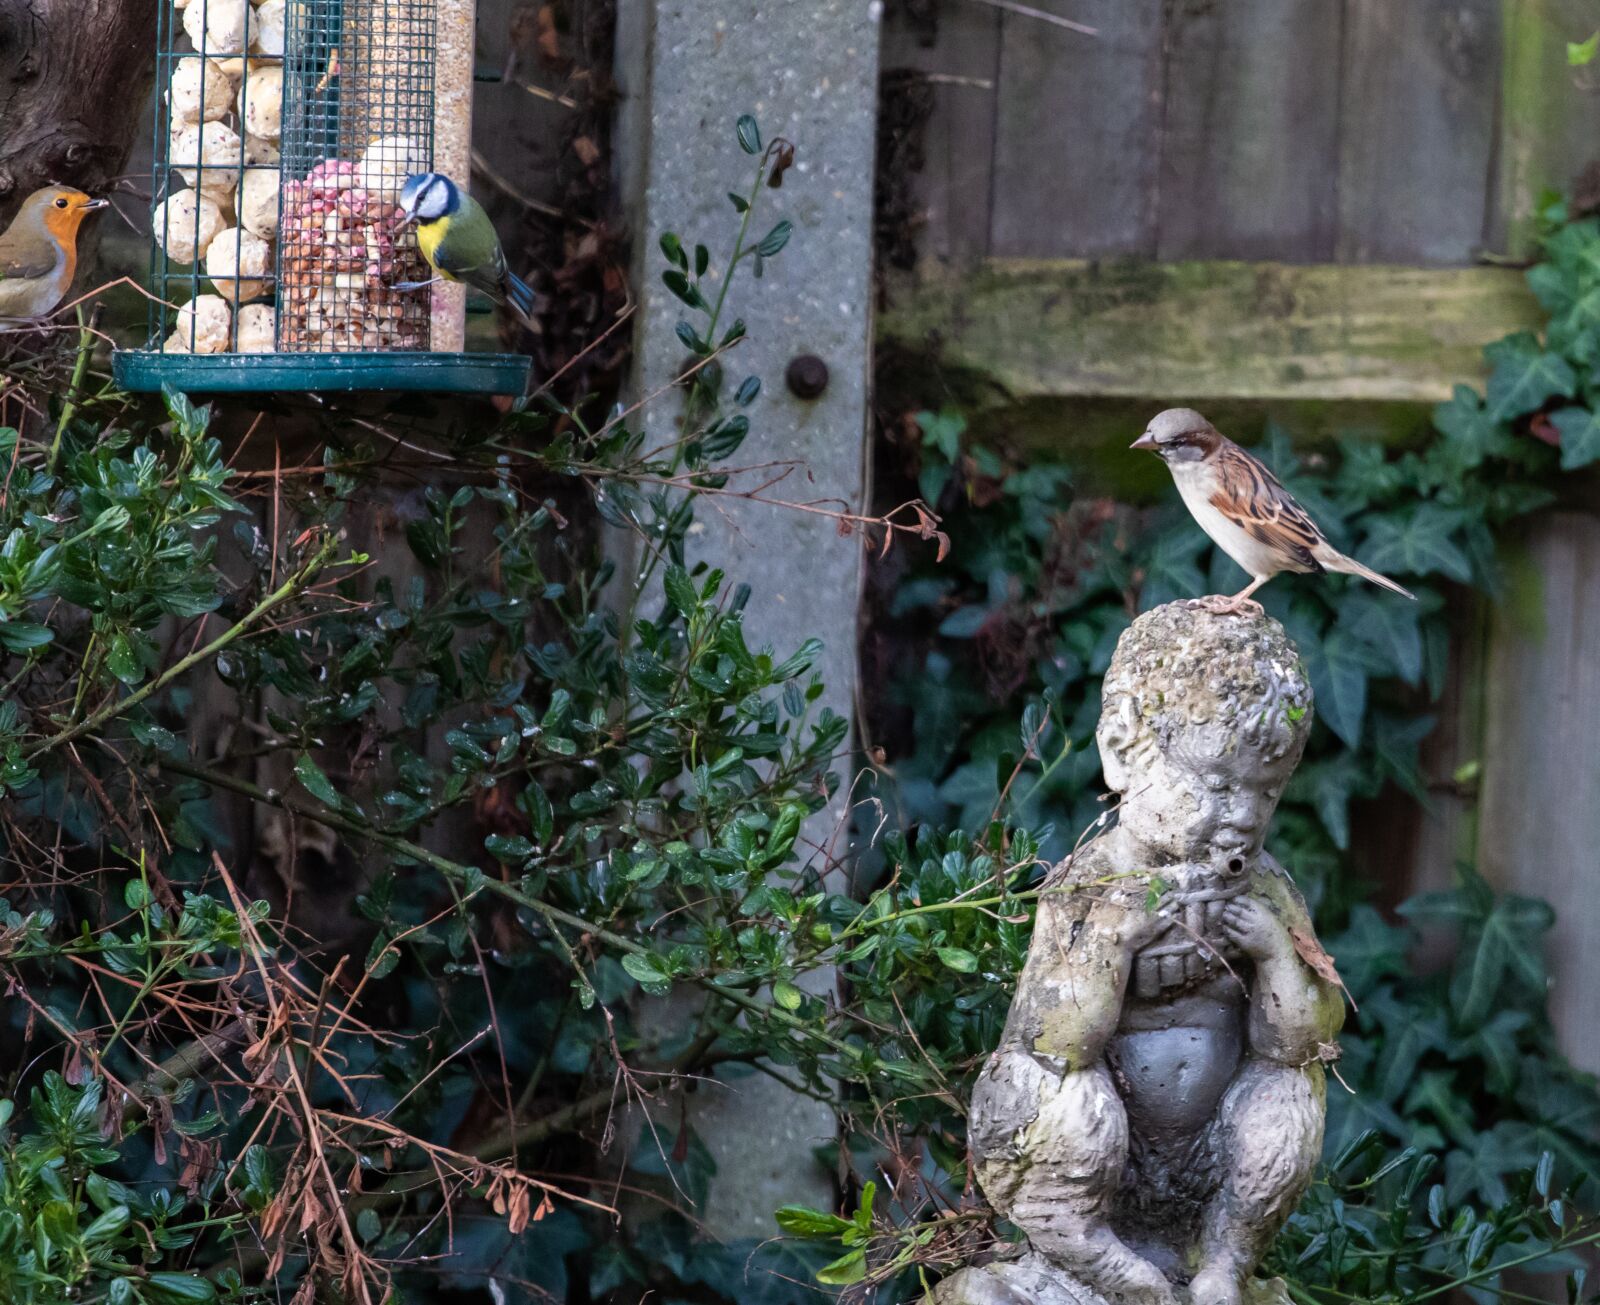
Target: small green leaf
(314,781)
(21,636)
(958,959)
(816,1225)
(178,1289)
(774,241)
(672,248)
(845,1270)
(122,661)
(108,1225)
(787,995)
(749,133)
(1581,53)
(647,970)
(680,591)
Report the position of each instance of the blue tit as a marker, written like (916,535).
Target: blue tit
(459,242)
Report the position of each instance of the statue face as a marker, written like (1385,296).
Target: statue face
(1207,797)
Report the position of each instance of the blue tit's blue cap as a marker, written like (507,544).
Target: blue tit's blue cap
(428,196)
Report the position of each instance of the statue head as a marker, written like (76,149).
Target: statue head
(1203,719)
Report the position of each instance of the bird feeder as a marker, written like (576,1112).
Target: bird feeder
(284,130)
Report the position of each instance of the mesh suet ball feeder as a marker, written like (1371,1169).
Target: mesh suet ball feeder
(283,132)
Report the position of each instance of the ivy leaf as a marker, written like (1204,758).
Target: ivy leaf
(1339,668)
(1389,628)
(1496,1042)
(1171,570)
(943,430)
(1507,944)
(1417,542)
(1580,436)
(1329,785)
(1524,376)
(1471,432)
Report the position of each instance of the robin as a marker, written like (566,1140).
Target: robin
(39,251)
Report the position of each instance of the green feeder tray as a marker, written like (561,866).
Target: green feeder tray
(149,370)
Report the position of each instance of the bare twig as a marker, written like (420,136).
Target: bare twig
(1028,11)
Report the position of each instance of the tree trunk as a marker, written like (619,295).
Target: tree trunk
(74,79)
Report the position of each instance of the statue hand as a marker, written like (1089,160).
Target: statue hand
(1254,929)
(1140,928)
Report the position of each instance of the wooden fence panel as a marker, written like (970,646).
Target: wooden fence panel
(1285,130)
(962,65)
(1549,113)
(1073,167)
(1416,129)
(1539,830)
(1249,148)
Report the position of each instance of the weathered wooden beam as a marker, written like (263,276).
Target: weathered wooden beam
(1210,330)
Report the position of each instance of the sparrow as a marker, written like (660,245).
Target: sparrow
(39,251)
(459,242)
(1247,512)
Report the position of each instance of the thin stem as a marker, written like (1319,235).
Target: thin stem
(289,589)
(79,369)
(474,880)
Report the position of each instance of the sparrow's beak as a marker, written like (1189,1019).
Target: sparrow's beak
(91,205)
(1147,441)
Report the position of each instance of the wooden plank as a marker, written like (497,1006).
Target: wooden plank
(1074,167)
(1540,822)
(1196,331)
(1249,138)
(1416,129)
(958,70)
(1549,114)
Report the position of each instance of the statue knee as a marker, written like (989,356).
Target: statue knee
(1272,1120)
(1044,1134)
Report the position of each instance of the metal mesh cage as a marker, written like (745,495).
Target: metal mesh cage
(284,130)
(358,118)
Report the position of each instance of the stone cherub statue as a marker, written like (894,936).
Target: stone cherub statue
(1155,1109)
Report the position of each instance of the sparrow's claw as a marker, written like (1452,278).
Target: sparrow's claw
(1218,605)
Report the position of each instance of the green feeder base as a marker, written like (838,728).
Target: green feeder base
(325,373)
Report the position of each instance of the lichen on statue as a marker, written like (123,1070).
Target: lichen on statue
(1155,1108)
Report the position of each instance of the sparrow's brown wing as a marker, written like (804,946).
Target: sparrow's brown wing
(1253,498)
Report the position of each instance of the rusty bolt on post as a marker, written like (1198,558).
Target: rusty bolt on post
(807,376)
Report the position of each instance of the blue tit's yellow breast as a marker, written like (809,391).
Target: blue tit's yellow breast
(429,237)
